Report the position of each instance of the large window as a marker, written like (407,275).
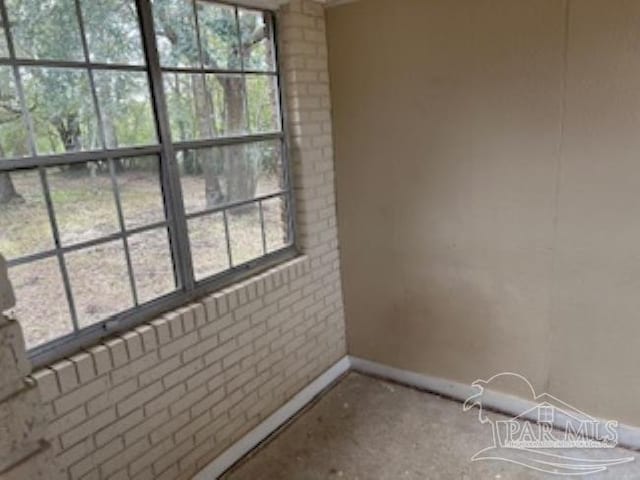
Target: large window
(142,159)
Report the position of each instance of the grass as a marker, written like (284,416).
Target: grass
(85,210)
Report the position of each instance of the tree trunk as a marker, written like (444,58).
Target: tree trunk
(8,191)
(69,131)
(241,172)
(208,159)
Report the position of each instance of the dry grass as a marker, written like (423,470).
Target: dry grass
(85,210)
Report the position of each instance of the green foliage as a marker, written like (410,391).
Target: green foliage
(13,133)
(60,101)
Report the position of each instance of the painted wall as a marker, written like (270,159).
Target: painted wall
(488,179)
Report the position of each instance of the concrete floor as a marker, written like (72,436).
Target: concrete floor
(365,428)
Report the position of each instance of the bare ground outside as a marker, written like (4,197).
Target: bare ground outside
(85,209)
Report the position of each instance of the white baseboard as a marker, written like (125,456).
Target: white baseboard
(252,439)
(628,437)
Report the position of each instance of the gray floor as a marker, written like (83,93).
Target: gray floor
(365,429)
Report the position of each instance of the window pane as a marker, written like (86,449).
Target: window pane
(62,109)
(218,36)
(276,222)
(198,111)
(45,29)
(140,191)
(269,159)
(13,133)
(257,43)
(228,94)
(112,30)
(216,176)
(175,26)
(41,301)
(208,245)
(4,50)
(262,100)
(83,201)
(24,223)
(152,265)
(125,108)
(181,90)
(99,281)
(245,233)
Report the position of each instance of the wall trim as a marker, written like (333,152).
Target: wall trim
(628,436)
(252,439)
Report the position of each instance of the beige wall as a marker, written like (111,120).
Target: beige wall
(488,176)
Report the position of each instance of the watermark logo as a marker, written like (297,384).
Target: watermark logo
(537,436)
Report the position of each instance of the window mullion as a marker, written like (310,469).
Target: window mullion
(58,245)
(170,180)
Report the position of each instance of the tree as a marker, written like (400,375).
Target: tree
(232,167)
(8,192)
(12,135)
(63,112)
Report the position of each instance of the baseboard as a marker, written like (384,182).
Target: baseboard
(628,436)
(252,439)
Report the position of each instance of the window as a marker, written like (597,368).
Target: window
(142,159)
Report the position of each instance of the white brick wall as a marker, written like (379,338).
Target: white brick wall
(162,401)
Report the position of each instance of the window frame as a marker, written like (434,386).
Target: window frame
(187,288)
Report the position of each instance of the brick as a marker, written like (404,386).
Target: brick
(207,402)
(134,368)
(150,456)
(81,395)
(182,373)
(84,366)
(174,319)
(64,423)
(177,346)
(133,343)
(188,399)
(220,352)
(130,453)
(234,330)
(200,315)
(236,356)
(214,327)
(47,382)
(118,351)
(118,427)
(169,427)
(112,396)
(190,428)
(101,359)
(165,399)
(188,319)
(146,427)
(160,370)
(67,375)
(163,334)
(148,336)
(139,398)
(203,376)
(171,459)
(86,429)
